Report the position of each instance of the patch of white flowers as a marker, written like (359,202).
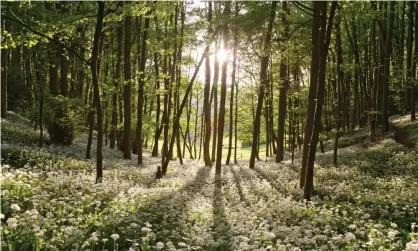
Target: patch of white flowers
(260,209)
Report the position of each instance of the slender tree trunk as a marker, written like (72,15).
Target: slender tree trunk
(323,44)
(221,122)
(236,122)
(141,84)
(316,38)
(388,50)
(372,116)
(282,98)
(381,78)
(90,122)
(206,101)
(413,69)
(114,126)
(263,80)
(409,45)
(177,72)
(127,91)
(4,72)
(231,104)
(167,107)
(202,131)
(215,102)
(196,119)
(340,81)
(95,80)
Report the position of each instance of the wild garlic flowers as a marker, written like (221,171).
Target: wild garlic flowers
(366,204)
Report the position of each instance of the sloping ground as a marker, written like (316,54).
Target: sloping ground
(404,124)
(50,202)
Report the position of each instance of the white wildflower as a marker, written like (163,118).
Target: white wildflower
(412,246)
(182,244)
(114,237)
(15,207)
(94,237)
(392,234)
(12,223)
(349,237)
(159,245)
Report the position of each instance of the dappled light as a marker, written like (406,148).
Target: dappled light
(209,125)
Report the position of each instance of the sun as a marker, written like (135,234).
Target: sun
(222,55)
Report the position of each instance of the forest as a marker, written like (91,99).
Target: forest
(209,125)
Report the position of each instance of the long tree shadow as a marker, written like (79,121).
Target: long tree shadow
(222,228)
(272,180)
(237,181)
(167,216)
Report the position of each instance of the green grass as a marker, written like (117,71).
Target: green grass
(243,152)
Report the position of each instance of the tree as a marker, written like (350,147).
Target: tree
(127,90)
(284,85)
(141,84)
(114,124)
(231,101)
(206,101)
(388,50)
(221,121)
(4,71)
(263,81)
(322,44)
(97,101)
(413,70)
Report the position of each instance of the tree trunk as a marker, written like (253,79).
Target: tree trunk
(316,40)
(116,86)
(221,122)
(409,45)
(95,80)
(206,101)
(388,50)
(282,98)
(231,104)
(263,80)
(323,44)
(141,83)
(4,72)
(340,81)
(236,122)
(127,91)
(413,69)
(215,101)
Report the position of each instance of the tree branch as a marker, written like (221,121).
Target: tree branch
(19,21)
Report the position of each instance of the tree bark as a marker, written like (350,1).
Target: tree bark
(221,122)
(263,80)
(4,73)
(206,101)
(388,50)
(141,84)
(127,91)
(323,44)
(215,102)
(413,69)
(95,80)
(284,82)
(114,125)
(231,102)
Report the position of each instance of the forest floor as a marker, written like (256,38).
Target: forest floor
(50,202)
